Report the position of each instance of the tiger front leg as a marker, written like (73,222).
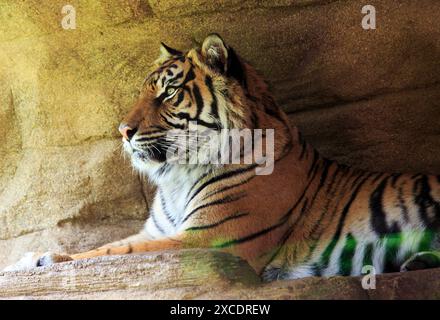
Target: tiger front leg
(135,244)
(133,247)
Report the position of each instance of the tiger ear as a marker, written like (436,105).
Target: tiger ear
(215,52)
(167,52)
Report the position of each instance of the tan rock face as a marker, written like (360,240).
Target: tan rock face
(366,98)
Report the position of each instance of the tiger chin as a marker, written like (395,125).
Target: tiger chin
(309,217)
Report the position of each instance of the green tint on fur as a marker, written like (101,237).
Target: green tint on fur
(392,246)
(347,255)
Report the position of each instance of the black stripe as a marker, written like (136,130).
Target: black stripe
(158,100)
(216,224)
(392,244)
(214,107)
(182,115)
(165,168)
(272,110)
(347,180)
(303,145)
(154,129)
(218,178)
(180,97)
(249,237)
(314,163)
(424,201)
(168,113)
(177,77)
(402,204)
(322,180)
(347,255)
(286,235)
(164,209)
(285,217)
(227,199)
(228,187)
(395,178)
(190,75)
(203,176)
(282,241)
(359,174)
(302,196)
(378,215)
(368,255)
(327,164)
(149,138)
(323,212)
(213,126)
(173,125)
(254,119)
(199,100)
(235,68)
(186,116)
(158,227)
(325,258)
(377,177)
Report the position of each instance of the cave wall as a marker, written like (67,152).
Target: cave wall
(368,98)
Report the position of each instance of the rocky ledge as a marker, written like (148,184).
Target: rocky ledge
(198,274)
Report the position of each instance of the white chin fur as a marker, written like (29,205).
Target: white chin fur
(147,167)
(153,169)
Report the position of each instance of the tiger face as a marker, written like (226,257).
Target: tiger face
(203,88)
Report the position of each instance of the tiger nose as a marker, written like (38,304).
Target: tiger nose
(126,131)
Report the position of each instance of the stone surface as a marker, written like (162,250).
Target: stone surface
(198,274)
(365,98)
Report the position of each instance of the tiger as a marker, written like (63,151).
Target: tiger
(310,216)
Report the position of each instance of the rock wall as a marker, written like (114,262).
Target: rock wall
(366,98)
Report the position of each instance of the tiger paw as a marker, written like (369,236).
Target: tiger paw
(50,258)
(422,260)
(32,260)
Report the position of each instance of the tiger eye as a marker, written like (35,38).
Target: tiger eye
(170,91)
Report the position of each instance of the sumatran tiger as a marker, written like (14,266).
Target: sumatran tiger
(309,217)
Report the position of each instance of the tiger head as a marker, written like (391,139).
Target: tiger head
(209,87)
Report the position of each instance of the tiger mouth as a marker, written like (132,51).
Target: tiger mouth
(156,154)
